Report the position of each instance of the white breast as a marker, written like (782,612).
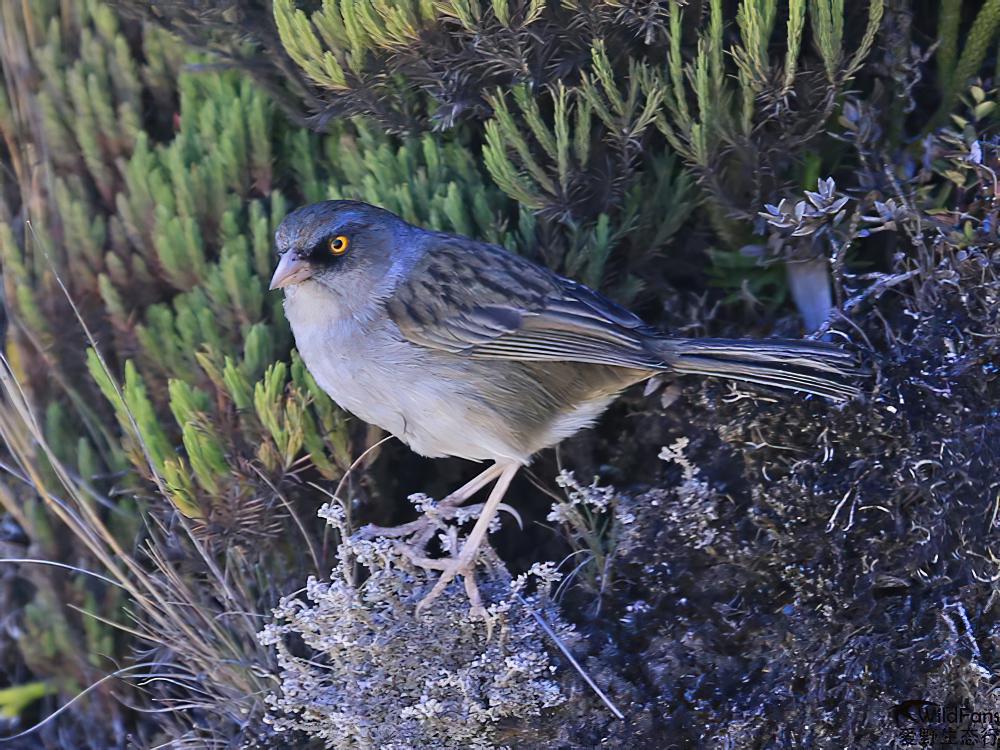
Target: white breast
(358,357)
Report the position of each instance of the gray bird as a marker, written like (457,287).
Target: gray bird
(460,348)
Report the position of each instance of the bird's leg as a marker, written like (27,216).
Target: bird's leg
(423,527)
(450,504)
(464,562)
(473,486)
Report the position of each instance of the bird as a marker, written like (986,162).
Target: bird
(461,348)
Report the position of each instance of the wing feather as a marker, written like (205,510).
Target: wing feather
(479,300)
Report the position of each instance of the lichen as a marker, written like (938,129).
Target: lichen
(359,669)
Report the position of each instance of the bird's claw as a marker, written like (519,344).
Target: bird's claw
(451,568)
(411,539)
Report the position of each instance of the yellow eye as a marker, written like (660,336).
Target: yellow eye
(338,245)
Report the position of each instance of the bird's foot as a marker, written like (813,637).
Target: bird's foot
(464,566)
(461,563)
(419,532)
(412,539)
(450,568)
(435,516)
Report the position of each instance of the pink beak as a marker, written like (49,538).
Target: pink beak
(291,270)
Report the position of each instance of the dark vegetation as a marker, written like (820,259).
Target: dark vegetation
(748,569)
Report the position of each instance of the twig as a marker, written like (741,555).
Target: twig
(566,652)
(871,292)
(54,564)
(78,696)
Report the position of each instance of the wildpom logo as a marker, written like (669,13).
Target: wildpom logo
(915,712)
(923,723)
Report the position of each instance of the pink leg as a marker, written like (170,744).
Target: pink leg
(473,486)
(423,524)
(464,562)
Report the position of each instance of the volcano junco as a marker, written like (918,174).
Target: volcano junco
(460,348)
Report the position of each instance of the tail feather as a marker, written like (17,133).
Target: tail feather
(809,366)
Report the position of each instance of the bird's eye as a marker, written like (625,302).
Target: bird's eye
(338,245)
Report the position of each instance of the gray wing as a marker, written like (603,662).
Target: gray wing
(481,301)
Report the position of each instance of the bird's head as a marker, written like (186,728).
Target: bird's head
(340,245)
